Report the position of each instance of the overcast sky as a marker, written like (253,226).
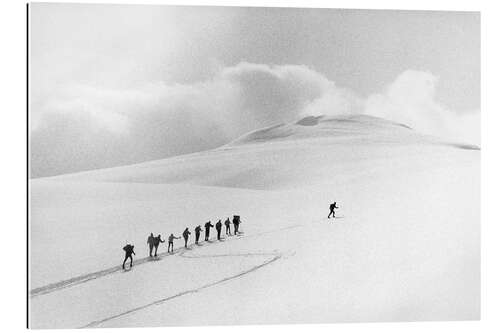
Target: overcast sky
(119,84)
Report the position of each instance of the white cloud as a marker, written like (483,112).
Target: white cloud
(80,127)
(113,127)
(410,100)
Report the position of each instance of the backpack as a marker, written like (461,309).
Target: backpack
(128,248)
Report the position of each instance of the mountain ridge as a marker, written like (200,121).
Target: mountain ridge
(327,125)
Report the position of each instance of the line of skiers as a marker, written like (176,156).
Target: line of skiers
(154,242)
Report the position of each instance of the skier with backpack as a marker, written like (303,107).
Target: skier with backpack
(151,244)
(157,241)
(208,225)
(186,234)
(129,250)
(332,209)
(227,223)
(171,242)
(218,227)
(197,232)
(236,223)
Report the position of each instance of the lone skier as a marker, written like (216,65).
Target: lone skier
(227,223)
(218,227)
(151,244)
(197,232)
(208,225)
(171,242)
(186,234)
(332,209)
(129,250)
(236,223)
(157,241)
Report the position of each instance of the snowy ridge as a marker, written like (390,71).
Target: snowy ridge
(276,157)
(325,126)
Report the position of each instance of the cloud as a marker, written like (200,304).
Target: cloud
(81,127)
(410,100)
(85,127)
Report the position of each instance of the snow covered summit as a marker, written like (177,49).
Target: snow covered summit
(327,126)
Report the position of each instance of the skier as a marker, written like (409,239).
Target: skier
(197,232)
(218,227)
(227,223)
(129,250)
(332,209)
(157,241)
(186,234)
(208,225)
(150,243)
(171,242)
(236,222)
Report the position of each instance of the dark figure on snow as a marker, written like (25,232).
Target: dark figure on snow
(157,241)
(227,223)
(218,227)
(171,242)
(129,250)
(332,209)
(151,244)
(197,232)
(186,234)
(208,225)
(236,223)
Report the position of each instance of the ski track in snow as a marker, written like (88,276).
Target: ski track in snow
(275,256)
(52,287)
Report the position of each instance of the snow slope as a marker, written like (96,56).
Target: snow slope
(405,245)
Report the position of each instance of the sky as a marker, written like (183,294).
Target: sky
(119,84)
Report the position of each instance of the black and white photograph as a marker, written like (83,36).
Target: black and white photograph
(231,165)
